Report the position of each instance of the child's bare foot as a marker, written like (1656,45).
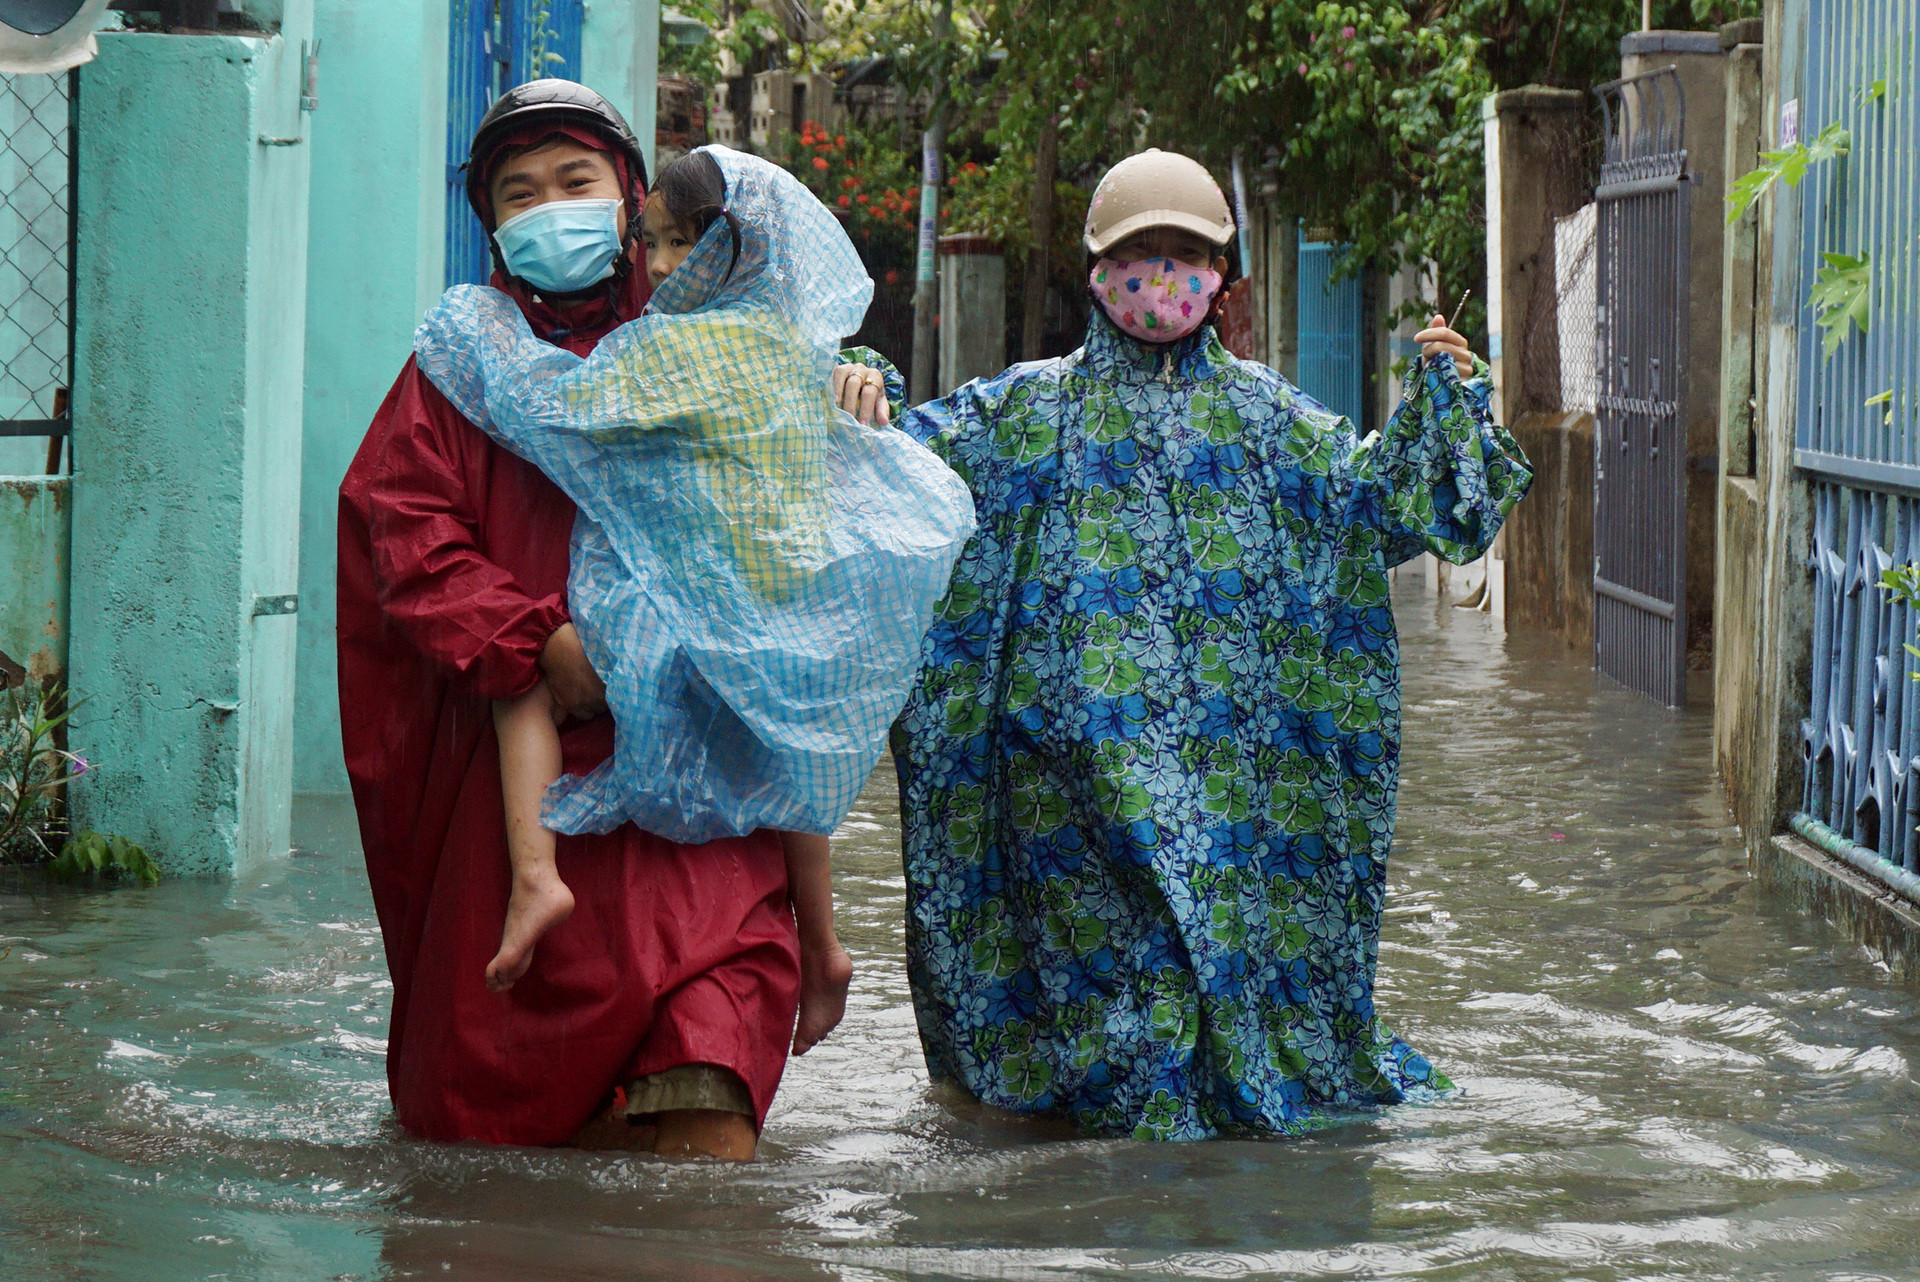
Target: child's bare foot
(536,906)
(825,973)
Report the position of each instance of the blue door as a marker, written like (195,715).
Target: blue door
(493,45)
(1332,333)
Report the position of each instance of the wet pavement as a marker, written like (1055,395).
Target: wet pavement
(1667,1072)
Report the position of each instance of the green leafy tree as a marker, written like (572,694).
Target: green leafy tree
(1364,115)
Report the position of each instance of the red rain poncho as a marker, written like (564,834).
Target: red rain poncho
(453,571)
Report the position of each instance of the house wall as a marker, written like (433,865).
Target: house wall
(376,252)
(187,411)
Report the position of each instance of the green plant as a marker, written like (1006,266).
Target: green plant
(993,200)
(1842,291)
(33,768)
(872,184)
(1902,583)
(93,853)
(1788,165)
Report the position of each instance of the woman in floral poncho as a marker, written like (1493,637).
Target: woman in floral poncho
(1147,774)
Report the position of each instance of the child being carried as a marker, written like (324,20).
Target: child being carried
(752,570)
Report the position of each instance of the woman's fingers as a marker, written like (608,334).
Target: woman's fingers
(861,391)
(1440,339)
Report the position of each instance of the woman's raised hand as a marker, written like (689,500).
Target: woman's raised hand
(1437,338)
(861,391)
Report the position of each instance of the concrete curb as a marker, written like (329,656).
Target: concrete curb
(1836,892)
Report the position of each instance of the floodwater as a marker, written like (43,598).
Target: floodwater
(1666,1072)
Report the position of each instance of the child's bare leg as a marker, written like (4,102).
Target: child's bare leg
(529,762)
(825,968)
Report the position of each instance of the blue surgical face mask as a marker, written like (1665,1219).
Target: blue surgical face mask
(563,246)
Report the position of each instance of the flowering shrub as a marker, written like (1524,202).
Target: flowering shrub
(874,187)
(993,200)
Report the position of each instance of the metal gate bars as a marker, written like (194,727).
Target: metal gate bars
(1640,482)
(493,45)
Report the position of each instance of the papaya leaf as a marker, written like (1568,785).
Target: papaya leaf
(1841,297)
(1788,165)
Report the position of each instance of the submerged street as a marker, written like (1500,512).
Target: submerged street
(1666,1071)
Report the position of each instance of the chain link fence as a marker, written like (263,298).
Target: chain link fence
(1558,353)
(36,268)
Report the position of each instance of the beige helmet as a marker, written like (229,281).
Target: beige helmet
(1156,189)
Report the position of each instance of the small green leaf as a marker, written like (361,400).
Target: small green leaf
(1789,165)
(1841,297)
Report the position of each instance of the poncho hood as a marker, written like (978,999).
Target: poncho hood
(795,259)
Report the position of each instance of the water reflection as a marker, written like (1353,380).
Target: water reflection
(1666,1073)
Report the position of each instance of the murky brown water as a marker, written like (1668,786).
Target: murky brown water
(1668,1073)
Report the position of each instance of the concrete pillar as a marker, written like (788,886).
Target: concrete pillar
(973,310)
(1255,270)
(1739,553)
(187,405)
(1702,68)
(1530,182)
(376,255)
(1283,297)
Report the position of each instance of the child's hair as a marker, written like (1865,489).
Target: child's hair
(695,193)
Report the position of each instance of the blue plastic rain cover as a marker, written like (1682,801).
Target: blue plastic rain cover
(752,569)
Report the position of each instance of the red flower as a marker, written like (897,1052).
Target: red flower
(839,140)
(819,162)
(1346,33)
(845,201)
(862,198)
(850,183)
(969,168)
(806,140)
(893,278)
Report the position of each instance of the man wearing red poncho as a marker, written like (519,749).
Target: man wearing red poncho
(673,985)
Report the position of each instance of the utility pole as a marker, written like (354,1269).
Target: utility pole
(1033,315)
(933,146)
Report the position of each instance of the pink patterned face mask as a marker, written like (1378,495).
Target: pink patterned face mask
(1157,300)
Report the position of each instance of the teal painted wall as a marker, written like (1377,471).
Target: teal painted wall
(620,57)
(375,253)
(35,532)
(189,352)
(376,261)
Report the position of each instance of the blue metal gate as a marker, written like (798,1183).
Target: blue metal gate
(493,45)
(1332,332)
(1858,435)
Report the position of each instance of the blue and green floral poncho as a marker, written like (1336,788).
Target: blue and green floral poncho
(1147,773)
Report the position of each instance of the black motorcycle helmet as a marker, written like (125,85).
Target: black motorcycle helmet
(559,102)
